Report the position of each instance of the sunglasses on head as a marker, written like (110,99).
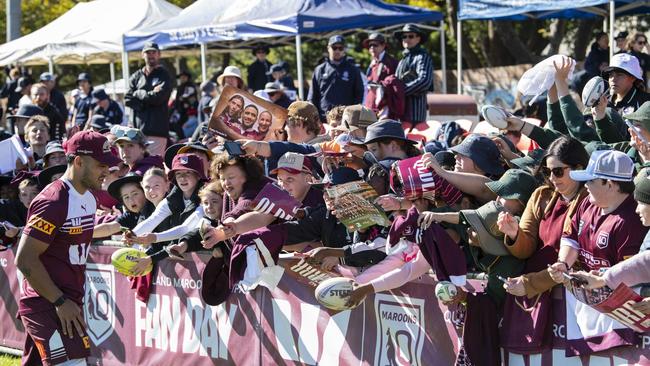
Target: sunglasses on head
(130,133)
(557,172)
(338,48)
(409,36)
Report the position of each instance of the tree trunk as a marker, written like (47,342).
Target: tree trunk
(469,56)
(558,30)
(583,37)
(516,48)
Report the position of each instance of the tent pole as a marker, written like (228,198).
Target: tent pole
(612,8)
(50,65)
(299,62)
(459,58)
(125,75)
(112,69)
(204,72)
(443,57)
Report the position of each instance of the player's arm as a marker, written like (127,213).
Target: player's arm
(106,229)
(29,264)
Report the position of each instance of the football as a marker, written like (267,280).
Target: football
(445,291)
(593,90)
(333,293)
(126,258)
(495,116)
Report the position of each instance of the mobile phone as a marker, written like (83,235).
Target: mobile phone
(637,130)
(233,148)
(124,229)
(576,279)
(502,279)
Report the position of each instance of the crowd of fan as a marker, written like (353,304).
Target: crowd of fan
(578,201)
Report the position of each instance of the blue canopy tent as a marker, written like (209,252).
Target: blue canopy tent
(534,9)
(240,23)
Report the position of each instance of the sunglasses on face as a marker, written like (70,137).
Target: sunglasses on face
(641,42)
(338,48)
(373,45)
(557,172)
(409,36)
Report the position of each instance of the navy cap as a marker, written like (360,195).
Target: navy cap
(26,111)
(344,175)
(150,46)
(336,39)
(386,128)
(483,152)
(84,76)
(23,82)
(47,76)
(275,68)
(99,122)
(99,94)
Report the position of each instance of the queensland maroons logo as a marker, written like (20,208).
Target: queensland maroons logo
(400,334)
(99,302)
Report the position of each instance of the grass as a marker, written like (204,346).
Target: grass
(9,360)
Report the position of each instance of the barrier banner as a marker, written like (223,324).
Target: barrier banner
(283,327)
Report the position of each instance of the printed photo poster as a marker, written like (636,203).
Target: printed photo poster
(241,115)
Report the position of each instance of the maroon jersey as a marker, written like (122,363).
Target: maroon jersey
(62,218)
(604,240)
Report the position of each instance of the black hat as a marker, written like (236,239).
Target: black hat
(184,73)
(45,176)
(373,37)
(410,28)
(150,46)
(23,82)
(621,35)
(336,39)
(116,185)
(99,94)
(99,122)
(260,47)
(27,111)
(275,68)
(386,128)
(84,76)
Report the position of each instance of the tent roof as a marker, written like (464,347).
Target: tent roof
(522,10)
(208,21)
(88,33)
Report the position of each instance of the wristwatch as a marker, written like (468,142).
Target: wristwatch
(59,301)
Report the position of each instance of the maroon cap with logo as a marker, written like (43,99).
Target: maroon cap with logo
(189,162)
(93,144)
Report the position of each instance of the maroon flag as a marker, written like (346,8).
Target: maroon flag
(411,179)
(619,306)
(276,201)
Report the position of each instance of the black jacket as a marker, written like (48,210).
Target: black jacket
(318,225)
(58,99)
(257,77)
(57,122)
(149,108)
(595,58)
(632,101)
(113,114)
(333,85)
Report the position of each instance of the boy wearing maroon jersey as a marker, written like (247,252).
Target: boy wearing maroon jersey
(52,255)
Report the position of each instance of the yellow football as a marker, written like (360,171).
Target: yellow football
(125,259)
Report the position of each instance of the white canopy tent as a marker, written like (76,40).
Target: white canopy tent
(89,33)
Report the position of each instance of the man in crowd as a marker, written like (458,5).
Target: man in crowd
(336,81)
(185,103)
(9,90)
(56,97)
(25,89)
(107,107)
(415,70)
(148,94)
(52,258)
(84,104)
(41,98)
(258,70)
(381,67)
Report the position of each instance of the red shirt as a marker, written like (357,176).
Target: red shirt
(605,240)
(64,219)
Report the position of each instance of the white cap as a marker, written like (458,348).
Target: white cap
(606,164)
(627,63)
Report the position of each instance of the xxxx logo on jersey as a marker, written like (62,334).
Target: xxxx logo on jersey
(41,225)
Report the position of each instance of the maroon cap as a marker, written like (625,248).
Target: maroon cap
(188,162)
(93,144)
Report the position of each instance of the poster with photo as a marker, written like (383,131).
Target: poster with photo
(241,115)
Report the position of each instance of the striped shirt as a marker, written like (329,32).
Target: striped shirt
(415,70)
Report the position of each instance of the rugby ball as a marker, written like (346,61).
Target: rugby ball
(334,293)
(125,259)
(446,291)
(593,90)
(496,116)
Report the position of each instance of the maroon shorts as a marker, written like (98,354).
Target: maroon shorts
(45,340)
